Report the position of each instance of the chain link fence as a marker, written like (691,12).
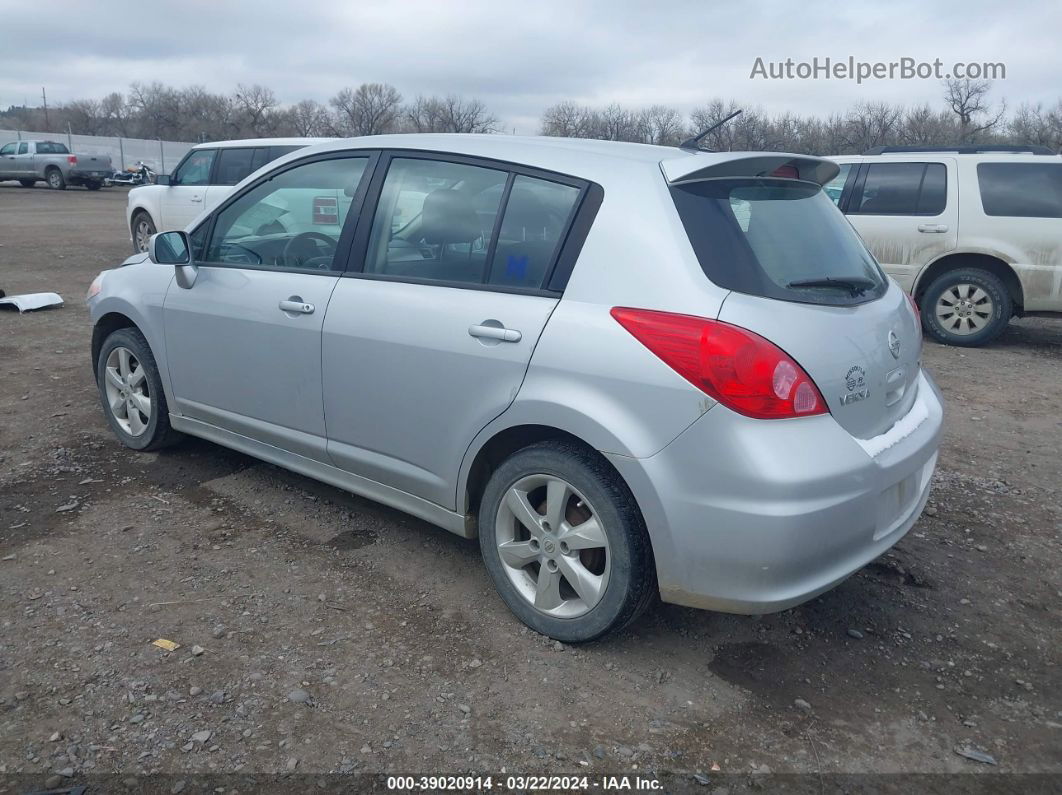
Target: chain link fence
(161,156)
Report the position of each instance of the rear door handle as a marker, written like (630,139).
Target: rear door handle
(196,199)
(933,228)
(499,333)
(297,306)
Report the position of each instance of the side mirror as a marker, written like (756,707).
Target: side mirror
(170,248)
(162,179)
(174,248)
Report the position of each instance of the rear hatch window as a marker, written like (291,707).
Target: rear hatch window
(777,238)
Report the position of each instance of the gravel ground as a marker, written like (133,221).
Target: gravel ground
(320,632)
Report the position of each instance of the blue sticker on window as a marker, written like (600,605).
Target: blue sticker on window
(516,267)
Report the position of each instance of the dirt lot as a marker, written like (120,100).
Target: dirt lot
(338,635)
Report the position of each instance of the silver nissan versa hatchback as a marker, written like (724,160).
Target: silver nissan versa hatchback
(629,370)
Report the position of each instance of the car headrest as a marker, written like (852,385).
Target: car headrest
(448,216)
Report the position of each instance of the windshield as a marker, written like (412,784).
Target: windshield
(778,239)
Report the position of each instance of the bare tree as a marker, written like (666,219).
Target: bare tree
(450,114)
(370,109)
(158,109)
(254,106)
(567,120)
(968,100)
(659,124)
(309,118)
(86,115)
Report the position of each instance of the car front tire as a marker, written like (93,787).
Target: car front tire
(142,228)
(967,307)
(564,542)
(131,392)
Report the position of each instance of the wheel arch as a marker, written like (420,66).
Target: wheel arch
(104,327)
(493,448)
(956,260)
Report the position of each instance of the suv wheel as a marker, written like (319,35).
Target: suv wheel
(564,542)
(131,392)
(143,229)
(966,307)
(55,180)
(27,183)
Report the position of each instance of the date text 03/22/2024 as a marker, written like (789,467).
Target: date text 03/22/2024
(521,783)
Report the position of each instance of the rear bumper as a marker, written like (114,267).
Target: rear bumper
(84,175)
(753,516)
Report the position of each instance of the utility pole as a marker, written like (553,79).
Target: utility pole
(44,98)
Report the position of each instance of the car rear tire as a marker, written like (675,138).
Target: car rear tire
(27,183)
(93,185)
(564,542)
(131,392)
(54,178)
(966,307)
(143,228)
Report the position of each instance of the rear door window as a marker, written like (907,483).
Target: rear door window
(537,214)
(435,221)
(778,239)
(1021,190)
(902,189)
(23,148)
(233,165)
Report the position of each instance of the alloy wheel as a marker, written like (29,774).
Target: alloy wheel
(552,546)
(964,309)
(128,396)
(143,234)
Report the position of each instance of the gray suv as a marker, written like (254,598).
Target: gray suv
(629,370)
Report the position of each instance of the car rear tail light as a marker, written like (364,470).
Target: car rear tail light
(71,159)
(741,370)
(787,172)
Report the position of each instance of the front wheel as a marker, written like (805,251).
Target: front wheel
(564,542)
(131,392)
(966,307)
(55,179)
(143,229)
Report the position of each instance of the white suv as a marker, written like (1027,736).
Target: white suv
(973,233)
(204,177)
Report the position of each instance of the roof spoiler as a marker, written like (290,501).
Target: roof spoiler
(713,165)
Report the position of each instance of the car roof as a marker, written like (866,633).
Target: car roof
(248,142)
(582,157)
(994,157)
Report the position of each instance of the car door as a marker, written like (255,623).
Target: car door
(906,212)
(430,340)
(244,342)
(182,199)
(24,161)
(8,166)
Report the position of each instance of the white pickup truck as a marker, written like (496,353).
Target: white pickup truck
(33,161)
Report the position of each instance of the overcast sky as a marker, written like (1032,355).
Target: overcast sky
(520,57)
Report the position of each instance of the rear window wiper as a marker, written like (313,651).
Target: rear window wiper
(856,285)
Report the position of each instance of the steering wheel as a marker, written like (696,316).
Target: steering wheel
(303,258)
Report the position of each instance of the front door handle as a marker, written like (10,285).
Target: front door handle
(938,228)
(196,199)
(296,305)
(498,332)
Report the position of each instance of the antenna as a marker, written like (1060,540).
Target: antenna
(694,142)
